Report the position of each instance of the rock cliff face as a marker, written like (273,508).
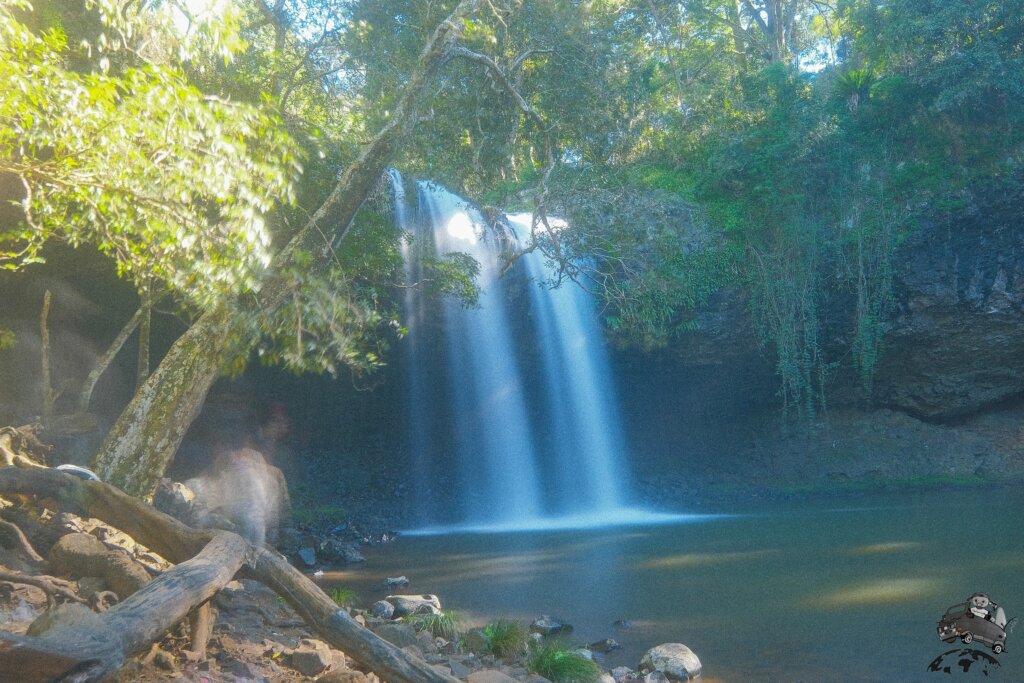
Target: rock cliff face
(955,336)
(955,343)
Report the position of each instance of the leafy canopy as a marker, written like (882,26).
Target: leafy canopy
(125,154)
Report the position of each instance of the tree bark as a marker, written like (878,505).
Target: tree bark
(92,644)
(142,442)
(146,436)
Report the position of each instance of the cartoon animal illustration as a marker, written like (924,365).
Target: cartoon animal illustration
(976,619)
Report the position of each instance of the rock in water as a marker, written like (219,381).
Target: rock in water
(396,582)
(606,645)
(550,626)
(335,551)
(675,660)
(414,604)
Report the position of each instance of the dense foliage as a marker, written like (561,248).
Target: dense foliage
(780,148)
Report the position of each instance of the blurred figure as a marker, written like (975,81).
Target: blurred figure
(242,489)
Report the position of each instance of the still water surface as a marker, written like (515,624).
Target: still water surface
(841,589)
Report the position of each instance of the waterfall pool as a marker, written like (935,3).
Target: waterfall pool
(837,589)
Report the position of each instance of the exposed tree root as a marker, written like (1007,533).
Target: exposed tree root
(53,587)
(15,538)
(92,646)
(18,445)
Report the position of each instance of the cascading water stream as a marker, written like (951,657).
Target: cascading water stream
(511,404)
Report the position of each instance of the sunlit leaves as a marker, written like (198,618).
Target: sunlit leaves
(171,183)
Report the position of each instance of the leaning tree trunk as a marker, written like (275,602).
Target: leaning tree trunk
(142,442)
(147,434)
(79,645)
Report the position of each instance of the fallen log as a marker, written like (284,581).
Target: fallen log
(74,643)
(132,625)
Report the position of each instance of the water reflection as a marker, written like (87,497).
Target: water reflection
(808,594)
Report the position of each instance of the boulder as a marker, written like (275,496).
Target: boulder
(311,657)
(82,554)
(337,552)
(382,609)
(675,660)
(547,625)
(414,604)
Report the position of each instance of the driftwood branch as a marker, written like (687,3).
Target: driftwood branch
(95,645)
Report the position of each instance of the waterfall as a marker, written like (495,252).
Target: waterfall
(511,405)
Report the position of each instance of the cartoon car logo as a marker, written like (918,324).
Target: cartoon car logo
(977,619)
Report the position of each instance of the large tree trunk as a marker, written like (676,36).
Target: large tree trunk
(94,645)
(142,442)
(147,434)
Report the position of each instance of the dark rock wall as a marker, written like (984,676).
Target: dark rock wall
(955,343)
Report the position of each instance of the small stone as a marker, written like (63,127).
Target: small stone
(308,556)
(382,609)
(606,645)
(623,624)
(489,676)
(343,676)
(675,660)
(360,619)
(585,653)
(550,626)
(606,678)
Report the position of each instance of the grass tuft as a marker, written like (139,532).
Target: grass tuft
(559,664)
(446,624)
(343,597)
(506,638)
